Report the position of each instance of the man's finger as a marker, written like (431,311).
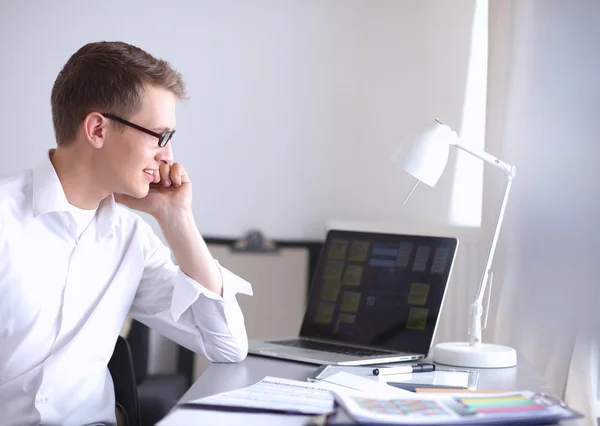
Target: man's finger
(164,174)
(176,172)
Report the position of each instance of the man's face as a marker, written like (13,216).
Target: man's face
(132,157)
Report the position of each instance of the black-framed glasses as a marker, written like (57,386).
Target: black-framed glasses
(163,138)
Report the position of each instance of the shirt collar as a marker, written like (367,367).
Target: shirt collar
(49,196)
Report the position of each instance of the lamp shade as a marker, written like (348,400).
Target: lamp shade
(425,155)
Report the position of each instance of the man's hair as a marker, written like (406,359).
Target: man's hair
(107,77)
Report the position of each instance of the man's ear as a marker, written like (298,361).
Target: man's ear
(95,129)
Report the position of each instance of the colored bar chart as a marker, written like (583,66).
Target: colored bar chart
(500,405)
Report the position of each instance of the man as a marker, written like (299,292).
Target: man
(74,264)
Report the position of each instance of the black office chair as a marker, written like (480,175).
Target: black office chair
(157,393)
(122,372)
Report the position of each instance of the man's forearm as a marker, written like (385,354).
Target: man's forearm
(190,250)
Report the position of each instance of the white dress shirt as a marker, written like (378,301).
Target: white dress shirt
(65,292)
(81,218)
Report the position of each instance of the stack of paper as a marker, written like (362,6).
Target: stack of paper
(366,400)
(275,396)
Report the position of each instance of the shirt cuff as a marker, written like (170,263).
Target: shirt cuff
(187,290)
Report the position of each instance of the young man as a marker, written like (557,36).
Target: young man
(74,264)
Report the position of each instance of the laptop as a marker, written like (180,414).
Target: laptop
(375,298)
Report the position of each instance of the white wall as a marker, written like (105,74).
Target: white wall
(295,109)
(296,105)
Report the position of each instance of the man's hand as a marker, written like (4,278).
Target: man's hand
(170,194)
(169,201)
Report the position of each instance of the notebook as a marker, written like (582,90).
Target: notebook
(375,298)
(507,408)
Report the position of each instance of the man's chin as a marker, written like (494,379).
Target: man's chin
(142,193)
(138,192)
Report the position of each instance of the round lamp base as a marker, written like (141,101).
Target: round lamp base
(485,355)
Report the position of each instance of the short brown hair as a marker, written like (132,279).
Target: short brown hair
(107,77)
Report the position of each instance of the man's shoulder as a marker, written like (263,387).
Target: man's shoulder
(124,216)
(130,219)
(16,181)
(15,189)
(135,226)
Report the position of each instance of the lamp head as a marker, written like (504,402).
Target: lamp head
(425,155)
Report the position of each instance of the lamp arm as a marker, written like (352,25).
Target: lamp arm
(476,307)
(488,158)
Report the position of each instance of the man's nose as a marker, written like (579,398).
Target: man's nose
(165,155)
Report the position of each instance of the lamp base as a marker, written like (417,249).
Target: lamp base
(484,355)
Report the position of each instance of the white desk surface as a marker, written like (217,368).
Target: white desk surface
(220,377)
(225,377)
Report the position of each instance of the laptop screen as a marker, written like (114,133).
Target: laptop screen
(379,290)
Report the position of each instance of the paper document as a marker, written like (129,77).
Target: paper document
(517,408)
(448,378)
(453,379)
(272,393)
(343,381)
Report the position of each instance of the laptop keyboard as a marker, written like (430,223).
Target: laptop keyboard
(326,347)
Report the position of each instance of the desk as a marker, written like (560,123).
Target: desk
(226,377)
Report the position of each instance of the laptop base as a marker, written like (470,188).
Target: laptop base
(317,357)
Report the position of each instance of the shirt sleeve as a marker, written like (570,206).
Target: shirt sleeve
(186,312)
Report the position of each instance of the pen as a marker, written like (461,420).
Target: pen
(419,368)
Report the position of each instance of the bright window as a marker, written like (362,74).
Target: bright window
(467,189)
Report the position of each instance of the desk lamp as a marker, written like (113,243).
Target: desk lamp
(425,157)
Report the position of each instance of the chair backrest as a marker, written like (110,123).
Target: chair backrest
(138,339)
(122,372)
